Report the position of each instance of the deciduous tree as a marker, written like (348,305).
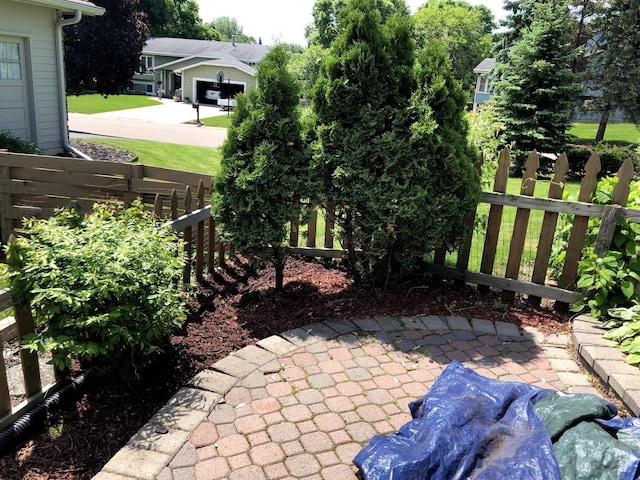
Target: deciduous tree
(229,30)
(614,67)
(102,53)
(465,31)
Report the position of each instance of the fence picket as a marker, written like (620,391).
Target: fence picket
(5,398)
(549,223)
(495,216)
(188,247)
(521,222)
(25,325)
(579,229)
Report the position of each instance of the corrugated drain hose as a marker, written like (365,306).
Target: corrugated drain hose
(33,420)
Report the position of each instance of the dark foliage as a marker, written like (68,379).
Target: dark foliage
(103,52)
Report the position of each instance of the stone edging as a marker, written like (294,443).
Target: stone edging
(604,359)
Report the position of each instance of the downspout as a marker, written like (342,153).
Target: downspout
(62,94)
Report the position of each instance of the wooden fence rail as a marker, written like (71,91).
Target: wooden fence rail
(37,185)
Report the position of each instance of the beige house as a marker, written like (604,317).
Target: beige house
(205,71)
(32,89)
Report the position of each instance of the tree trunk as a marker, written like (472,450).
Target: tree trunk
(604,118)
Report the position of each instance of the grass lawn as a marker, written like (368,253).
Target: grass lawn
(96,103)
(615,132)
(222,121)
(169,155)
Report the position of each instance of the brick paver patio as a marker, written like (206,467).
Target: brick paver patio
(303,404)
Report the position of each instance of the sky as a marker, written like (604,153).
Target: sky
(285,20)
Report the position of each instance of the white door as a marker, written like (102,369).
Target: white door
(14,101)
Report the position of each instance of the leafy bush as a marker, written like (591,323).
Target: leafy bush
(611,157)
(611,279)
(16,144)
(625,329)
(103,287)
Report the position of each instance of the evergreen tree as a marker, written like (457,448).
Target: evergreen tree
(535,87)
(381,152)
(615,64)
(264,169)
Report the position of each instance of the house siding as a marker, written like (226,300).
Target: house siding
(35,25)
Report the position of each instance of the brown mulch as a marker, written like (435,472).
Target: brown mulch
(231,308)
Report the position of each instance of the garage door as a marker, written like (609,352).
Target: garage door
(14,103)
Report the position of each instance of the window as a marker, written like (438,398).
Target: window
(146,64)
(483,84)
(10,68)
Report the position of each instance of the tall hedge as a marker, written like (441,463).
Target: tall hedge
(264,169)
(391,150)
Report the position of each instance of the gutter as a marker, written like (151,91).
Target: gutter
(62,94)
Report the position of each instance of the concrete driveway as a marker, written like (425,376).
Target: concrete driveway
(167,122)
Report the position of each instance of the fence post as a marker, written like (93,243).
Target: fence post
(619,198)
(200,235)
(465,250)
(579,230)
(549,222)
(25,325)
(329,224)
(495,218)
(211,228)
(186,276)
(312,226)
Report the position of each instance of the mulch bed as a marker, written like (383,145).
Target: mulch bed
(231,308)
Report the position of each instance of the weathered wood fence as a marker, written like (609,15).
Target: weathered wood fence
(35,186)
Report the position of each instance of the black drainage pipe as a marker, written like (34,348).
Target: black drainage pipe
(34,419)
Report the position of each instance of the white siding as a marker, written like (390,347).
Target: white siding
(35,25)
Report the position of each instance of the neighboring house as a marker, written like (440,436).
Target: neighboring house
(192,69)
(32,89)
(482,92)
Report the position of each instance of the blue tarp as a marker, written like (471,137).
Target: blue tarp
(469,426)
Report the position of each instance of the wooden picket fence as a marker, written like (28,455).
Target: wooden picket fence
(36,185)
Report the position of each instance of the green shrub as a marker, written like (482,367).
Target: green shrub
(611,279)
(611,158)
(625,329)
(16,144)
(103,287)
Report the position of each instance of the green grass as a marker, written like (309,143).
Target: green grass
(95,103)
(615,132)
(169,155)
(222,121)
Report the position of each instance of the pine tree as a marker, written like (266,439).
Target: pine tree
(536,87)
(264,167)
